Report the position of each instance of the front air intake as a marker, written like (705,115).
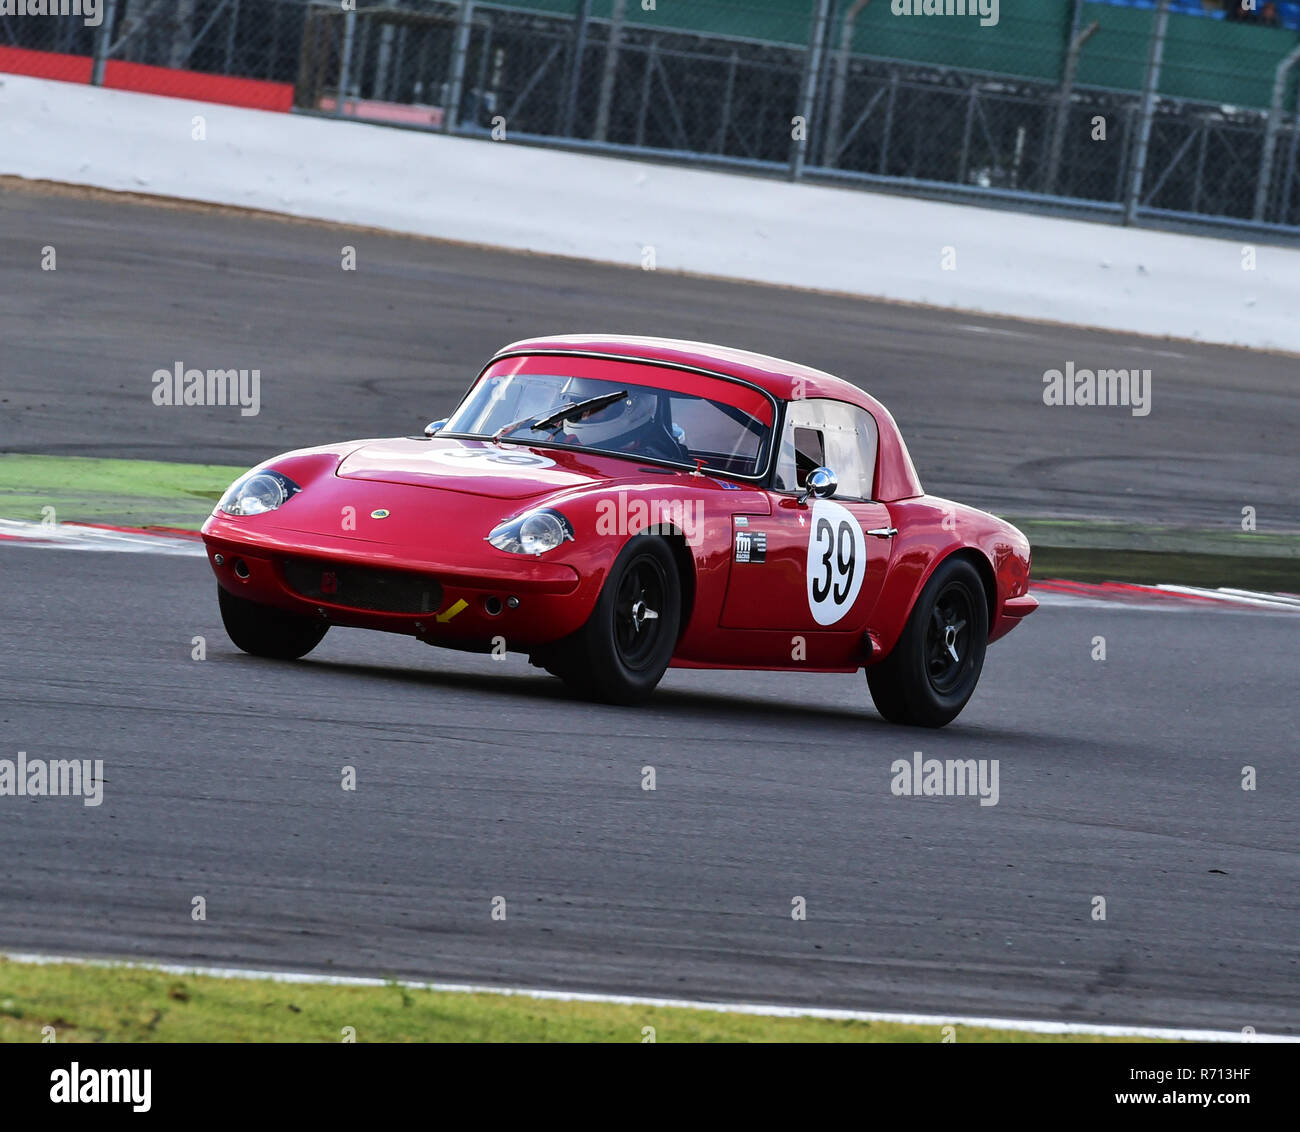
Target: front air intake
(358,587)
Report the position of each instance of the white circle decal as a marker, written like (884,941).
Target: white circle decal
(492,459)
(837,561)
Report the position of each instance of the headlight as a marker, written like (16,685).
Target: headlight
(535,532)
(257,493)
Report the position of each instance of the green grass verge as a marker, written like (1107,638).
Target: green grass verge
(1098,551)
(132,1004)
(129,493)
(1153,568)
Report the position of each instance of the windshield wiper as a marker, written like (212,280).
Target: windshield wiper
(571,411)
(578,410)
(506,429)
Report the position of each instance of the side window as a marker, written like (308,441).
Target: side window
(724,437)
(809,452)
(833,434)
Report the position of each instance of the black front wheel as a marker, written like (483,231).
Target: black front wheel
(266,631)
(621,653)
(933,669)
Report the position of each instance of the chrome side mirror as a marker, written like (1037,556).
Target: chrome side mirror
(435,427)
(820,483)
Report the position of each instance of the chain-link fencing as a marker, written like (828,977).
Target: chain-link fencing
(1183,108)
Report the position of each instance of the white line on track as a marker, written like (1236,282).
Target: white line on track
(999,331)
(71,536)
(763,1009)
(1225,600)
(1248,597)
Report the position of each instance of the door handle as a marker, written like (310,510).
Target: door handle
(884,532)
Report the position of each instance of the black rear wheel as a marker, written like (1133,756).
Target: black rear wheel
(621,653)
(932,671)
(263,630)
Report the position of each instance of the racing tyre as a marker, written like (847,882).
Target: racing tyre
(933,669)
(621,653)
(265,631)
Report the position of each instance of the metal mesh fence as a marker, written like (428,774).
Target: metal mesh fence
(1181,107)
(247,38)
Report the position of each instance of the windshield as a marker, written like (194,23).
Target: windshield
(615,416)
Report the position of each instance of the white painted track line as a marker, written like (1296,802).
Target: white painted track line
(73,536)
(1251,597)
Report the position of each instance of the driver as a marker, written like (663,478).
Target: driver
(630,425)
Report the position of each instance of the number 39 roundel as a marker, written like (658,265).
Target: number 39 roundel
(837,561)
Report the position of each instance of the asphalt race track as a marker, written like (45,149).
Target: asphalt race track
(478,778)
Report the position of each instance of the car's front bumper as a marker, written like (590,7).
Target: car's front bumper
(363,584)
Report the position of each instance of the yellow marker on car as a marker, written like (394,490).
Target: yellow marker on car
(455,609)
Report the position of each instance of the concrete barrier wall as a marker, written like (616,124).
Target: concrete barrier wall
(617,211)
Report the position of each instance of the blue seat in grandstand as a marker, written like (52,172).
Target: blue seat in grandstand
(1288,11)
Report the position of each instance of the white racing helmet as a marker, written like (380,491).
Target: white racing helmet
(624,415)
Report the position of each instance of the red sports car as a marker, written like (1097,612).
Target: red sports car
(614,505)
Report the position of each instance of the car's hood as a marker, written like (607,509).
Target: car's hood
(474,467)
